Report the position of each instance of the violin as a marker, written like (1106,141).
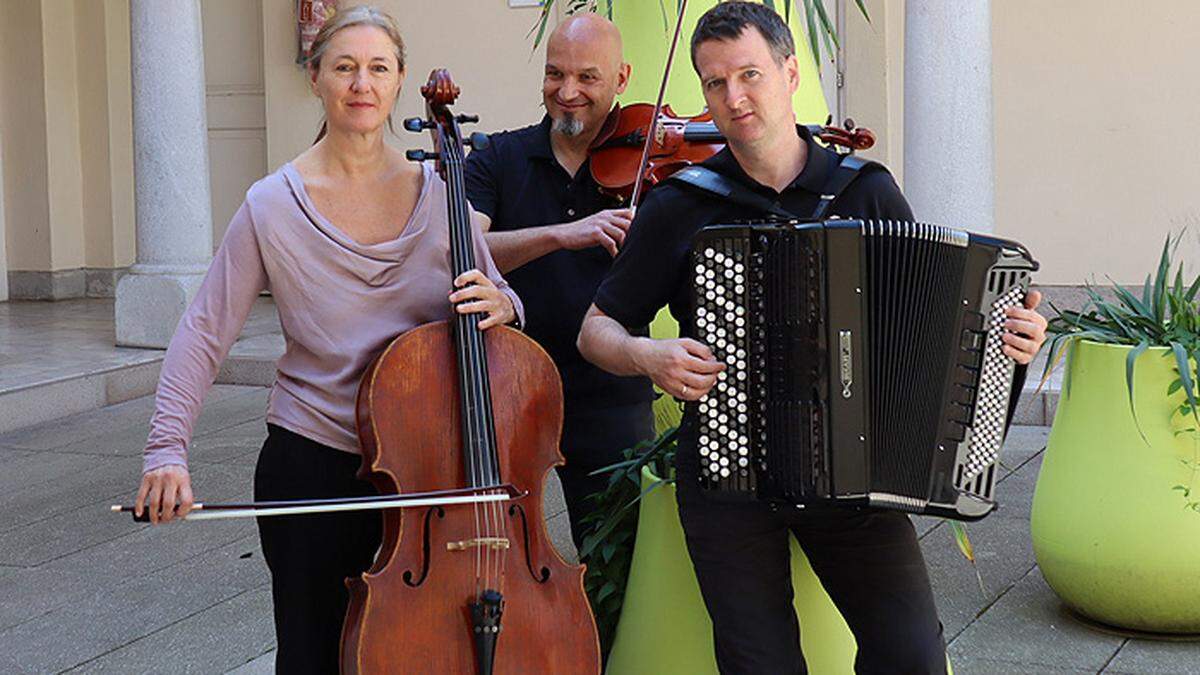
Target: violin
(676,143)
(464,588)
(670,143)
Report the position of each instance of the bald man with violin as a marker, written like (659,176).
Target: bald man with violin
(554,234)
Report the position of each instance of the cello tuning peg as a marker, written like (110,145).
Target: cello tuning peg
(477,141)
(416,124)
(466,119)
(420,155)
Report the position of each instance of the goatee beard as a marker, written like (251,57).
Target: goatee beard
(567,125)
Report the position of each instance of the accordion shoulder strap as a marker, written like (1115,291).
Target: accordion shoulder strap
(848,169)
(713,183)
(707,180)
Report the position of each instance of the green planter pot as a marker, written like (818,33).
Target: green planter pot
(664,628)
(1111,537)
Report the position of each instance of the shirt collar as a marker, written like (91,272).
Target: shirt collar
(811,178)
(540,143)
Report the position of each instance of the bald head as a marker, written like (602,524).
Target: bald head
(584,74)
(587,30)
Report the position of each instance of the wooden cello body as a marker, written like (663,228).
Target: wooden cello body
(464,588)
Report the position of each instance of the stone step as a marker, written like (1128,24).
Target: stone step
(250,362)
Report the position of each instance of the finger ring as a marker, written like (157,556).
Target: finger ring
(685,388)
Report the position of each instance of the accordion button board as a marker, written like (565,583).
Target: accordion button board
(863,362)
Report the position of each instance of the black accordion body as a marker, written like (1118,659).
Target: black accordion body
(863,362)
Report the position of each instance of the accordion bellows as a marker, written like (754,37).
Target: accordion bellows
(863,362)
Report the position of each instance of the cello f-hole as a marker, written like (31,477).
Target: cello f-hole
(408,574)
(543,575)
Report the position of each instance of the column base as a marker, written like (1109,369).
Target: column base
(149,306)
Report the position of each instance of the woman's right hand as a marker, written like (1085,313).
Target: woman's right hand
(166,492)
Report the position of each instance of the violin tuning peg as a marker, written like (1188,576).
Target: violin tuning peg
(466,119)
(416,124)
(420,155)
(477,141)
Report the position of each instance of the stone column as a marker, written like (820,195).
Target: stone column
(3,246)
(948,157)
(170,167)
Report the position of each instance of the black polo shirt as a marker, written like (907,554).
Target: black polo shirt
(652,269)
(517,182)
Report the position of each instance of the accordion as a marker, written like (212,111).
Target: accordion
(863,362)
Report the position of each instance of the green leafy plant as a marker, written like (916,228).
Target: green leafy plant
(612,524)
(1165,314)
(820,28)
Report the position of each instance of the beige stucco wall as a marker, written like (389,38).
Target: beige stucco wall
(233,73)
(1096,153)
(873,84)
(70,205)
(119,102)
(1093,110)
(23,118)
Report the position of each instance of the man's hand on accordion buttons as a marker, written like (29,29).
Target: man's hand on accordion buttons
(1025,330)
(682,367)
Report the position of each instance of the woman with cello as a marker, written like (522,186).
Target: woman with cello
(352,240)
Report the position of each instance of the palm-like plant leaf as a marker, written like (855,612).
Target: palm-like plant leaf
(1166,315)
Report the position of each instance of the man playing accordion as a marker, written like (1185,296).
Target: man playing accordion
(868,559)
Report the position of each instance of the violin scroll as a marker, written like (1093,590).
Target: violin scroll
(846,136)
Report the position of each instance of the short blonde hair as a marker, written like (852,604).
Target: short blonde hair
(359,15)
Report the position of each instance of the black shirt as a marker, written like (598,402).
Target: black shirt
(517,182)
(652,269)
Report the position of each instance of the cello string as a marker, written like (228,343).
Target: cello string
(488,457)
(474,356)
(462,337)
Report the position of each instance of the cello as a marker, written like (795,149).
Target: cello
(469,588)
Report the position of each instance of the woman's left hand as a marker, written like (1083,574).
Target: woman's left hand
(477,293)
(1025,330)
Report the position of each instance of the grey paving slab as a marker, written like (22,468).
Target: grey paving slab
(1028,626)
(1014,494)
(1146,657)
(213,640)
(559,529)
(9,454)
(230,444)
(57,483)
(96,426)
(1021,444)
(553,502)
(76,577)
(118,615)
(263,665)
(249,404)
(969,666)
(46,537)
(1003,555)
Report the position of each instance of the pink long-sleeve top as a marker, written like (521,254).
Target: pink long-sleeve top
(340,303)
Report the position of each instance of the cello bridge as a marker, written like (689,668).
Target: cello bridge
(494,543)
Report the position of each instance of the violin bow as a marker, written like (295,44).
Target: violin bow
(471,495)
(650,131)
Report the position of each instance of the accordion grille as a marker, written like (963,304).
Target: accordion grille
(912,268)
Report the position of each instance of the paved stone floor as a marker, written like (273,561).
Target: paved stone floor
(83,590)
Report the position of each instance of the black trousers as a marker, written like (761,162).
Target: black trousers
(593,439)
(311,555)
(868,560)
